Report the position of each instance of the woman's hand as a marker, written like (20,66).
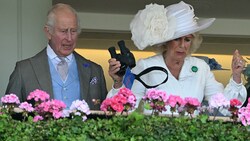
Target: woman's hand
(114,67)
(238,64)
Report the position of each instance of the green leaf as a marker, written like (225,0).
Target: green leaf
(147,106)
(203,118)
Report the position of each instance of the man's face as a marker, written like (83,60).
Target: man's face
(63,36)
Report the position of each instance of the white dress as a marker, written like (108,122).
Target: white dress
(200,84)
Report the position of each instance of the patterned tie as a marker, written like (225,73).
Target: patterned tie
(62,68)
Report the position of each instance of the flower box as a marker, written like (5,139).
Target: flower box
(117,122)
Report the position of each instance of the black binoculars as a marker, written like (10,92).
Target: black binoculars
(125,57)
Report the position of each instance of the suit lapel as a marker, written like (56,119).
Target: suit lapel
(41,68)
(84,73)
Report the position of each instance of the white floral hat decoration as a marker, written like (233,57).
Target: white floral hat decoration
(156,24)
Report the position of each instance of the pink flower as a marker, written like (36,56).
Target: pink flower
(156,99)
(244,115)
(10,99)
(117,106)
(111,104)
(132,100)
(38,95)
(105,104)
(191,104)
(26,106)
(154,94)
(79,108)
(234,109)
(192,101)
(57,114)
(218,100)
(124,100)
(126,92)
(66,113)
(174,101)
(52,108)
(37,118)
(120,98)
(84,118)
(127,98)
(235,102)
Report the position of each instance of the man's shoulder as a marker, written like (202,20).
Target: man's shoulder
(39,56)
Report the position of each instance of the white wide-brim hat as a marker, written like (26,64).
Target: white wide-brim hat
(156,24)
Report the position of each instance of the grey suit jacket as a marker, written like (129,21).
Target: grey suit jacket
(34,73)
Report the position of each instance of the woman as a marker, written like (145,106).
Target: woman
(175,29)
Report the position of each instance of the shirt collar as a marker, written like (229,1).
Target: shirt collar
(52,55)
(186,68)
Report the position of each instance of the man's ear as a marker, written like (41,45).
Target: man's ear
(47,32)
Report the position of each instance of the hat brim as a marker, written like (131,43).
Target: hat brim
(201,25)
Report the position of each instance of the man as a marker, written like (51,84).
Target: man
(58,69)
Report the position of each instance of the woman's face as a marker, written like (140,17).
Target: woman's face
(178,48)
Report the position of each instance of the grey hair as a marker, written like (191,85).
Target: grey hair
(194,46)
(51,16)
